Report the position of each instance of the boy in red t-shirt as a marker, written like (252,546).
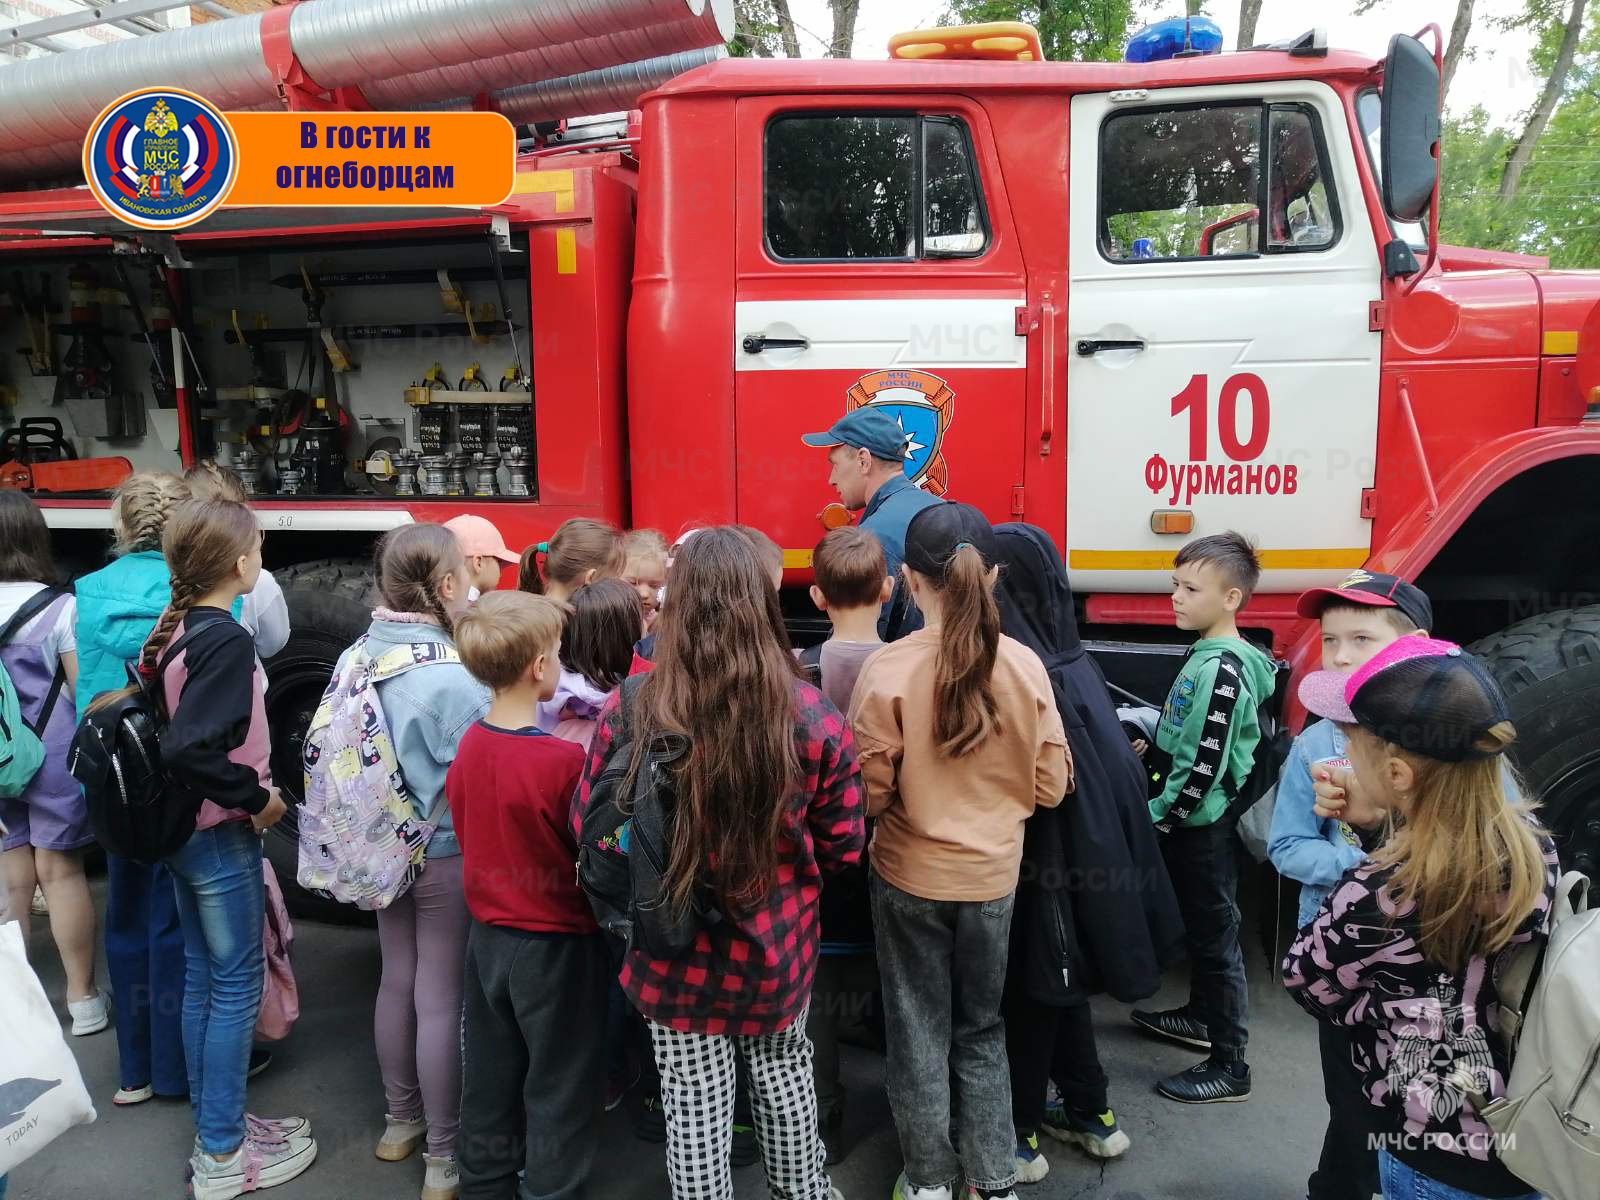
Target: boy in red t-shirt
(534,1013)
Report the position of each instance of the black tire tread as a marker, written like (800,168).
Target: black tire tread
(1541,647)
(349,578)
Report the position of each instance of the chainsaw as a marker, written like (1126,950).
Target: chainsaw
(36,456)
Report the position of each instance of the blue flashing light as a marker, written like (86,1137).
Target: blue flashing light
(1170,38)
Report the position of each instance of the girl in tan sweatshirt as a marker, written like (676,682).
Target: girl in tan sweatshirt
(959,739)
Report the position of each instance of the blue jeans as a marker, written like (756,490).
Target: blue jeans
(222,903)
(144,951)
(1400,1182)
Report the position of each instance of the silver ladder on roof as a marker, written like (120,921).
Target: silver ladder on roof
(23,30)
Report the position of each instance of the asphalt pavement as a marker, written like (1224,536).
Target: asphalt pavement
(327,1070)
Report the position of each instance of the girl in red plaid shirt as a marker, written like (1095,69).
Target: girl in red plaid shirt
(769,799)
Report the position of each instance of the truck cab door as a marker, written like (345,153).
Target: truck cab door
(1220,357)
(876,265)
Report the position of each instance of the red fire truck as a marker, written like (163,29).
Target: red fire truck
(1128,302)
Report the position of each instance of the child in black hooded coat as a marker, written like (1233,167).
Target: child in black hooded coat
(1095,911)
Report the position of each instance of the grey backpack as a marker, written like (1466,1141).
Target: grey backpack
(1547,1125)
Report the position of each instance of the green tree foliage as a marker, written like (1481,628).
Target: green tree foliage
(1557,207)
(1070,30)
(763,29)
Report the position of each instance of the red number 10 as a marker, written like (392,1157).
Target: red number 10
(1193,399)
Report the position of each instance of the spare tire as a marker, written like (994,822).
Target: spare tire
(330,606)
(1549,668)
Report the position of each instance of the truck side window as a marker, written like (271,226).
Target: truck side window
(1300,215)
(1172,179)
(887,187)
(1194,182)
(954,218)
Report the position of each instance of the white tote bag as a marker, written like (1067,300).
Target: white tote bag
(41,1092)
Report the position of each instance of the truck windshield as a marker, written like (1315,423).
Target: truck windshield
(1369,111)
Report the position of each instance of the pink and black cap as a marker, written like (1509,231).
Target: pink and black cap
(1424,695)
(1375,591)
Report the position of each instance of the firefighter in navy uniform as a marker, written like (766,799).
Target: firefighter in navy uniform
(866,457)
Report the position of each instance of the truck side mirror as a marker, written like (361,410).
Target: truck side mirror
(1410,131)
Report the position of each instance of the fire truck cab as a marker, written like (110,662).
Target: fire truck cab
(1135,303)
(1131,303)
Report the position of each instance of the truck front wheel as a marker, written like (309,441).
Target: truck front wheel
(1549,668)
(330,606)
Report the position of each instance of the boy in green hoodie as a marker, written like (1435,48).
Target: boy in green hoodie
(1205,746)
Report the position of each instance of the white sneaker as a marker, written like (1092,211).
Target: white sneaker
(138,1095)
(270,1129)
(974,1194)
(90,1015)
(253,1166)
(400,1138)
(442,1181)
(38,907)
(904,1191)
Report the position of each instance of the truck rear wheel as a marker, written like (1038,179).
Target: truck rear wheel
(1549,667)
(330,606)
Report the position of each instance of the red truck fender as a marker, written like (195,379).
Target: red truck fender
(1420,536)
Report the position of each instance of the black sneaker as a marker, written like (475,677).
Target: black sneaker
(649,1118)
(1176,1025)
(745,1150)
(260,1060)
(1097,1134)
(1208,1082)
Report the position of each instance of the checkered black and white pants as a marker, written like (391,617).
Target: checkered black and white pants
(698,1079)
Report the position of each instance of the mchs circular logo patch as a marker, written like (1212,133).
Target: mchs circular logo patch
(160,158)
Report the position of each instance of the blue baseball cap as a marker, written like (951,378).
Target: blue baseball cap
(870,428)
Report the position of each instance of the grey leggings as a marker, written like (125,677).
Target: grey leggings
(423,936)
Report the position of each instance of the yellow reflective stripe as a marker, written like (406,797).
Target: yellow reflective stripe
(1334,559)
(566,252)
(796,560)
(533,182)
(1561,341)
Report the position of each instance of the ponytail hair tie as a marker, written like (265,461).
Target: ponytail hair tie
(963,546)
(542,548)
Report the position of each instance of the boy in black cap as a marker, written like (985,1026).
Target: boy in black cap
(867,451)
(1361,617)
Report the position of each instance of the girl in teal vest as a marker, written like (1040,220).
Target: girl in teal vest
(118,606)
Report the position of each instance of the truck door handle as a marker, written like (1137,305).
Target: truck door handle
(755,343)
(1088,346)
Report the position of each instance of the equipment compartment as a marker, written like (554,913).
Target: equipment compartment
(340,369)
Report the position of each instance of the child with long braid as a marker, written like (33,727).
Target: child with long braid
(422,586)
(117,608)
(217,749)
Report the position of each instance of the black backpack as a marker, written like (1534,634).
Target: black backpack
(134,809)
(625,844)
